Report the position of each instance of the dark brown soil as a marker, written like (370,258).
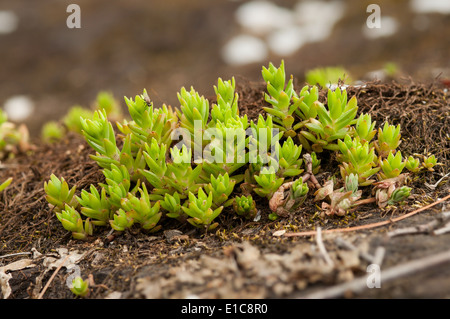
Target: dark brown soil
(242,259)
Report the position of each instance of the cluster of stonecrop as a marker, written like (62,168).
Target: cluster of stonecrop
(185,163)
(53,131)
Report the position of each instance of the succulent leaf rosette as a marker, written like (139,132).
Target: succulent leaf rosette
(392,166)
(268,182)
(72,221)
(221,188)
(245,206)
(388,139)
(281,97)
(58,193)
(200,210)
(357,158)
(289,158)
(413,164)
(332,123)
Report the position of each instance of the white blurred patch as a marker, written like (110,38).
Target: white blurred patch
(18,108)
(244,49)
(389,26)
(430,6)
(286,41)
(261,17)
(8,22)
(281,30)
(318,18)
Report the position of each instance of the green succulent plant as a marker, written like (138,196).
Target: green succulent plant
(255,166)
(193,115)
(221,188)
(99,134)
(413,164)
(358,158)
(72,221)
(172,204)
(289,159)
(315,163)
(95,205)
(80,287)
(226,107)
(392,166)
(141,210)
(245,206)
(155,158)
(58,193)
(282,97)
(326,75)
(181,176)
(297,194)
(268,182)
(148,122)
(333,123)
(121,220)
(263,135)
(388,139)
(227,151)
(307,108)
(117,184)
(429,162)
(72,120)
(195,179)
(399,195)
(365,128)
(200,210)
(52,131)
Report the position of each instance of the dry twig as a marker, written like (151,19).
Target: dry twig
(322,249)
(369,226)
(52,277)
(441,222)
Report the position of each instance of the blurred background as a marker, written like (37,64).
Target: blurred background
(126,46)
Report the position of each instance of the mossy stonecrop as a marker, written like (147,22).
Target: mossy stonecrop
(388,139)
(72,221)
(429,162)
(245,206)
(267,182)
(289,159)
(392,166)
(282,97)
(357,158)
(332,123)
(148,122)
(58,193)
(141,210)
(297,193)
(200,210)
(413,164)
(80,287)
(149,177)
(221,188)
